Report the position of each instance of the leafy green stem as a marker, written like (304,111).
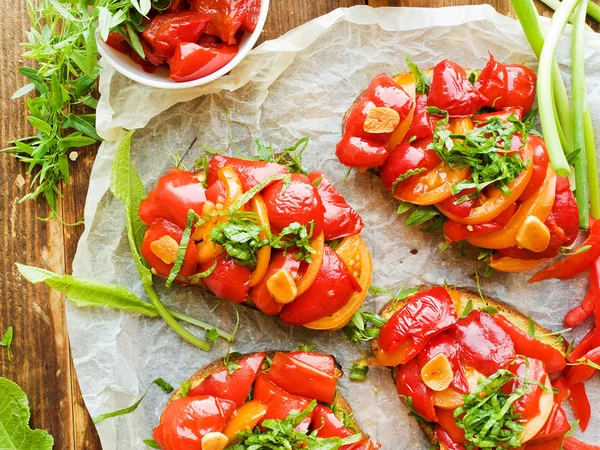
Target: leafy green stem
(592,163)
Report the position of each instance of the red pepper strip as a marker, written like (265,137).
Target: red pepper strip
(573,264)
(590,302)
(556,426)
(444,438)
(560,384)
(588,343)
(581,405)
(583,372)
(553,444)
(529,346)
(574,444)
(410,384)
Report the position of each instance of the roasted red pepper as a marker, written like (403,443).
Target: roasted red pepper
(167,30)
(235,386)
(279,402)
(504,114)
(424,315)
(492,81)
(574,444)
(174,195)
(556,426)
(520,88)
(451,91)
(300,378)
(483,342)
(407,158)
(580,404)
(540,166)
(191,61)
(459,204)
(325,363)
(341,219)
(455,232)
(444,438)
(228,16)
(157,231)
(575,263)
(530,375)
(357,152)
(250,172)
(448,423)
(583,372)
(410,384)
(328,425)
(331,290)
(590,303)
(228,280)
(531,347)
(187,420)
(561,389)
(296,201)
(443,343)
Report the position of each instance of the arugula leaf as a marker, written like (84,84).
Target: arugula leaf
(162,384)
(7,340)
(14,421)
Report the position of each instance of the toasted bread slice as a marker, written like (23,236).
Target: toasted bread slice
(461,298)
(201,374)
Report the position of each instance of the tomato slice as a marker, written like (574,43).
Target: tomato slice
(167,30)
(407,158)
(300,378)
(298,201)
(175,194)
(496,201)
(229,281)
(483,343)
(260,295)
(410,384)
(191,61)
(355,254)
(340,219)
(187,420)
(332,289)
(451,90)
(354,151)
(234,387)
(279,402)
(425,314)
(250,172)
(157,231)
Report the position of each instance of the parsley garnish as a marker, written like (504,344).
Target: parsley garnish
(357,330)
(6,340)
(486,150)
(240,237)
(290,157)
(282,434)
(488,417)
(295,236)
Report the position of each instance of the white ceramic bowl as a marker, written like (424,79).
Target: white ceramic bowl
(160,79)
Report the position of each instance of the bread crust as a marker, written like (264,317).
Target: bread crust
(515,317)
(204,372)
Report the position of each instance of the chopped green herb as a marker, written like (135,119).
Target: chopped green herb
(151,443)
(375,290)
(422,81)
(184,388)
(162,384)
(406,176)
(357,330)
(305,348)
(420,215)
(240,237)
(7,340)
(183,245)
(404,207)
(297,237)
(408,401)
(489,309)
(359,371)
(467,310)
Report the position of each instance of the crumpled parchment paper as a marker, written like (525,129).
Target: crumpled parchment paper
(298,85)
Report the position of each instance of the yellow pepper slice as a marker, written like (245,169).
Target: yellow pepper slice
(311,273)
(508,264)
(264,254)
(244,418)
(355,254)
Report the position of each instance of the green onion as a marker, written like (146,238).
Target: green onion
(593,10)
(544,87)
(579,106)
(592,163)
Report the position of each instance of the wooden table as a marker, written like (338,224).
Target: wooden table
(41,360)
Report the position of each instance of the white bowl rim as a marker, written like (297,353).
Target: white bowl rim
(149,80)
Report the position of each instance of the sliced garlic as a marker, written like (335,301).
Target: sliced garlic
(381,120)
(437,374)
(533,235)
(282,287)
(214,441)
(166,249)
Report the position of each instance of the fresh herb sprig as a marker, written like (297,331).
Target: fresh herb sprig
(297,237)
(485,149)
(240,237)
(283,434)
(488,416)
(358,330)
(62,44)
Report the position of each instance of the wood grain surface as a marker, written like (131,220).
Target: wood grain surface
(41,361)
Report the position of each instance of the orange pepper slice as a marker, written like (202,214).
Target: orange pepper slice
(394,358)
(496,202)
(436,185)
(246,417)
(538,205)
(407,82)
(352,248)
(508,264)
(311,273)
(264,254)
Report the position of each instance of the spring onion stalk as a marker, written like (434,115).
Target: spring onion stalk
(593,10)
(544,87)
(592,164)
(530,21)
(579,106)
(200,324)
